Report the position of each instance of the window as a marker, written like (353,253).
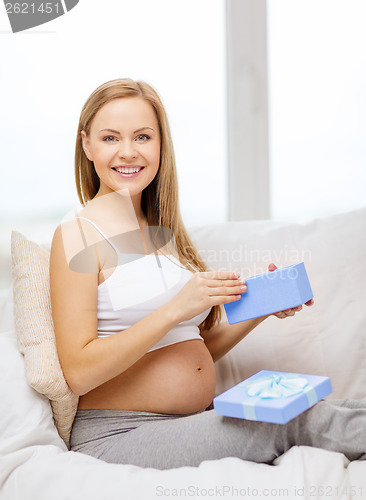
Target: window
(317,107)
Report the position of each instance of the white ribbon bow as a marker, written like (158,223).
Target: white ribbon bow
(277,386)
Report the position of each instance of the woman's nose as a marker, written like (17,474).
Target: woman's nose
(127,150)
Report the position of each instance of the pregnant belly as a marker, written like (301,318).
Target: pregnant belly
(175,379)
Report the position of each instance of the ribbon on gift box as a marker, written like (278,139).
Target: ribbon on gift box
(275,386)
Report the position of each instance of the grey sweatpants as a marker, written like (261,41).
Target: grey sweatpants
(166,441)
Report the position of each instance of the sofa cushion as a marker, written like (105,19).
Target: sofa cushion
(35,332)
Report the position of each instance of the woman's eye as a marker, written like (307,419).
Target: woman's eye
(109,138)
(143,137)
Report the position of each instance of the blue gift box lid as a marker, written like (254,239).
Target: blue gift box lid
(303,391)
(271,292)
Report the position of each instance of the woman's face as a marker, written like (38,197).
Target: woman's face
(124,144)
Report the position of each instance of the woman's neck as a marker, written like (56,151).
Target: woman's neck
(121,203)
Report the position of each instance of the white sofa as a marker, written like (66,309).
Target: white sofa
(328,338)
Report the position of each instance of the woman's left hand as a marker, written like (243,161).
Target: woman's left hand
(288,312)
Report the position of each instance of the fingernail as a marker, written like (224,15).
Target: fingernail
(243,288)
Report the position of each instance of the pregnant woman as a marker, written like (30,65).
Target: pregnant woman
(137,313)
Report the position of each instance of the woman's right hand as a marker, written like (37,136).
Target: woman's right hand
(207,289)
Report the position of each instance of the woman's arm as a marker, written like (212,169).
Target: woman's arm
(223,337)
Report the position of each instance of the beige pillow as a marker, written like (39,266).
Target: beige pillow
(35,333)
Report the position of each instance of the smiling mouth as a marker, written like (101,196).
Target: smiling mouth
(128,171)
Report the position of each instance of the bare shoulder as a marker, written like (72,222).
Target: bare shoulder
(73,244)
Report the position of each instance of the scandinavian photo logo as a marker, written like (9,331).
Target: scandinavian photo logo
(31,13)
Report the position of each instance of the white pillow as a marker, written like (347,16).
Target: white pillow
(26,416)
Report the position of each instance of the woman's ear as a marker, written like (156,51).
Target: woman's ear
(85,143)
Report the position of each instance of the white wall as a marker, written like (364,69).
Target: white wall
(248,172)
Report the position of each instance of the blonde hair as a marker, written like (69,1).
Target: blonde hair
(159,200)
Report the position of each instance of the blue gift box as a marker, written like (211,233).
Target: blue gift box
(271,396)
(271,292)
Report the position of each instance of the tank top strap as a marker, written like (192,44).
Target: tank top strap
(102,233)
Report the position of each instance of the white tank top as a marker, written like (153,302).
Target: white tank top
(138,286)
